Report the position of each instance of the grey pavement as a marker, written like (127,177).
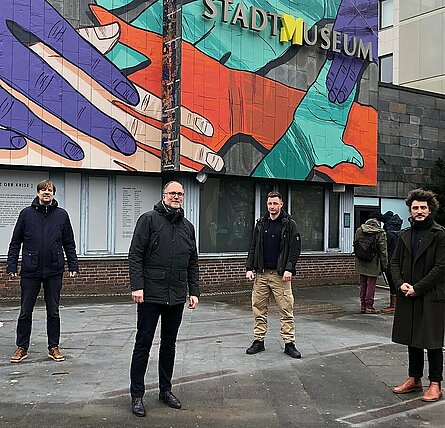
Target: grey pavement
(344,378)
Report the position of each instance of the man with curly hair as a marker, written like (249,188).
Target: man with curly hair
(418,268)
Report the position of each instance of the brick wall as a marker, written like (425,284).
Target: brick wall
(110,276)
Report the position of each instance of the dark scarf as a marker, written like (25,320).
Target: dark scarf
(172,215)
(418,229)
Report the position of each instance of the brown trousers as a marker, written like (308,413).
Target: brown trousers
(268,283)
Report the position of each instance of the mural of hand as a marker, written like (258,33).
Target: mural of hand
(194,155)
(30,87)
(315,137)
(355,18)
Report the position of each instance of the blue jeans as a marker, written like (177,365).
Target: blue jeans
(148,316)
(30,290)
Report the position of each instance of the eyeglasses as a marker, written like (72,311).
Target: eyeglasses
(173,194)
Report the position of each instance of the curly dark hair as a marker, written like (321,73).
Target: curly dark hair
(423,195)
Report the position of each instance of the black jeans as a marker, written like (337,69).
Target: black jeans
(435,362)
(392,286)
(51,291)
(148,316)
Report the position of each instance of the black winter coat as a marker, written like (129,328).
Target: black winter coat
(420,321)
(45,232)
(290,246)
(163,258)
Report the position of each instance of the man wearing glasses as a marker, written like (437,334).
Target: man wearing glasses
(163,265)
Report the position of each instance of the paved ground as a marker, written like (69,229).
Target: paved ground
(344,378)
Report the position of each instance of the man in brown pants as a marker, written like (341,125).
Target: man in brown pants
(273,253)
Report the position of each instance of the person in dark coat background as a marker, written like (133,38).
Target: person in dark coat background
(418,269)
(369,270)
(163,266)
(392,224)
(45,231)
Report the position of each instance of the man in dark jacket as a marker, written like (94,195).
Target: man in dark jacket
(418,268)
(163,265)
(45,231)
(273,253)
(392,224)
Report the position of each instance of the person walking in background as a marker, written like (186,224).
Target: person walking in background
(418,269)
(44,229)
(163,266)
(273,253)
(370,259)
(392,224)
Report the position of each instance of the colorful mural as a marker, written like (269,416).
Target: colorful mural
(214,91)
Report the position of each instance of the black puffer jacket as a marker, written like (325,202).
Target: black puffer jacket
(45,232)
(163,259)
(290,246)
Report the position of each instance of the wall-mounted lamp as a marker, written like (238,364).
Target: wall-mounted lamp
(201,177)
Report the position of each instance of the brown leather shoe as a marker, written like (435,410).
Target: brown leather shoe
(410,385)
(19,355)
(55,354)
(434,392)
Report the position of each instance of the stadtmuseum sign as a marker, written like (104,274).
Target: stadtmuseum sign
(291,29)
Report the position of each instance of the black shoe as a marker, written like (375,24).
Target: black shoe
(137,406)
(257,346)
(168,398)
(291,350)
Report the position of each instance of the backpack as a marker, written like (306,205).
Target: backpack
(365,247)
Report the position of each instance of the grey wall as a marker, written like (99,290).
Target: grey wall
(411,138)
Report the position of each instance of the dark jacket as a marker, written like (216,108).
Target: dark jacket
(163,259)
(45,232)
(380,260)
(392,228)
(419,321)
(290,246)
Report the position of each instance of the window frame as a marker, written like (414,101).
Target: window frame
(381,26)
(392,67)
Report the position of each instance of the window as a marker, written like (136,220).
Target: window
(385,67)
(386,14)
(227,215)
(307,204)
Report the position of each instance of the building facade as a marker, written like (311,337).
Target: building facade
(112,98)
(411,44)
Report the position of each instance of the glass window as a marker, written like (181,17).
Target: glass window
(385,66)
(386,13)
(307,204)
(334,201)
(227,215)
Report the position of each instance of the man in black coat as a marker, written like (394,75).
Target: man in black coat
(273,253)
(163,265)
(392,224)
(418,268)
(44,229)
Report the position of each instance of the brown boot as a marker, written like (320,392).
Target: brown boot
(434,392)
(410,385)
(392,305)
(371,311)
